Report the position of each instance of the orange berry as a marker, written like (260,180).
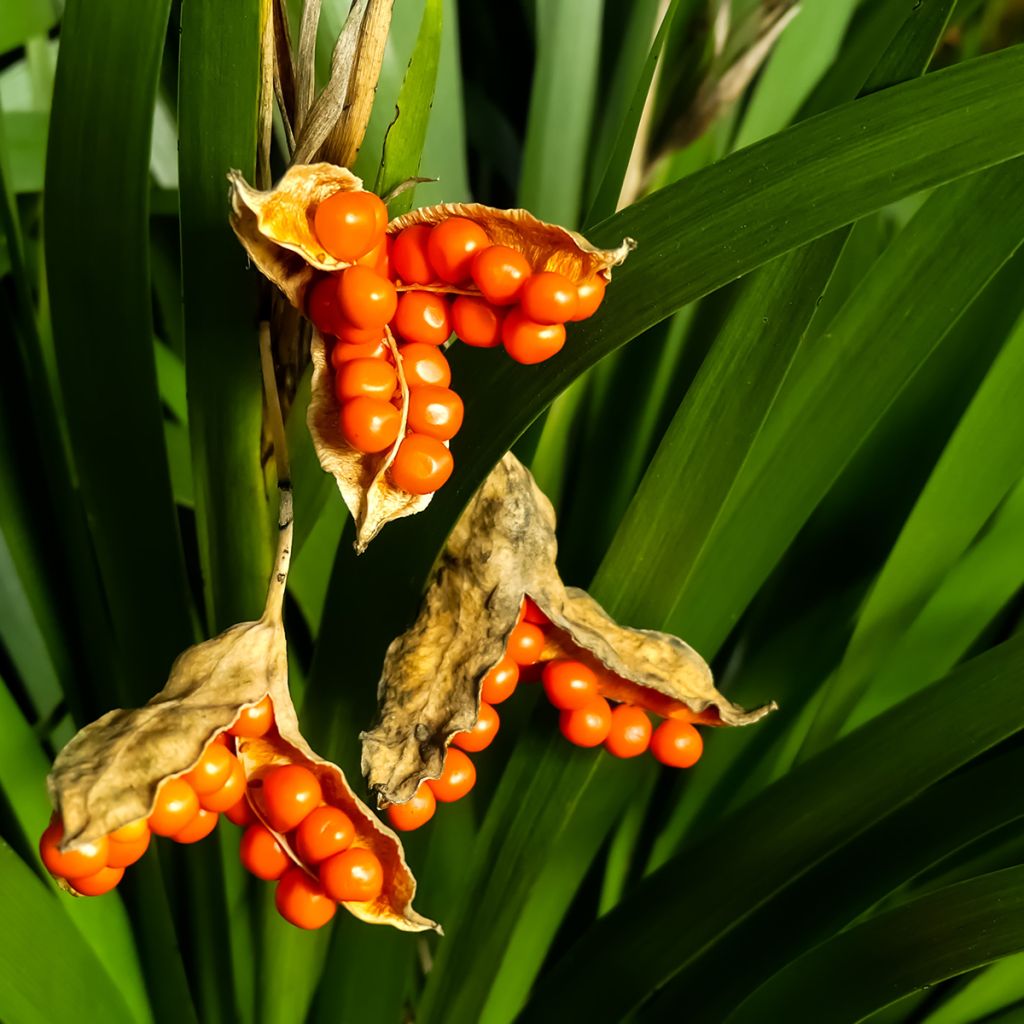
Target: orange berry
(213,769)
(224,740)
(255,721)
(499,683)
(589,295)
(677,744)
(451,246)
(422,317)
(198,828)
(483,732)
(569,684)
(322,306)
(369,424)
(436,412)
(229,794)
(241,814)
(349,224)
(587,726)
(457,777)
(130,833)
(290,792)
(476,322)
(409,258)
(374,378)
(344,352)
(531,613)
(415,812)
(122,853)
(79,862)
(422,465)
(378,258)
(301,900)
(99,883)
(367,299)
(324,832)
(529,342)
(549,298)
(261,854)
(525,644)
(630,732)
(499,272)
(355,875)
(176,805)
(423,365)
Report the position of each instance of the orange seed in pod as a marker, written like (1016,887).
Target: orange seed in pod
(367,299)
(589,294)
(241,814)
(499,683)
(99,883)
(322,306)
(531,613)
(569,684)
(301,900)
(229,794)
(176,805)
(422,317)
(525,644)
(352,335)
(213,769)
(349,224)
(677,744)
(589,725)
(261,854)
(415,812)
(499,272)
(198,828)
(476,322)
(369,424)
(127,844)
(354,875)
(451,246)
(290,792)
(483,732)
(424,365)
(630,732)
(457,777)
(324,832)
(549,298)
(343,352)
(254,721)
(85,859)
(374,378)
(529,342)
(378,258)
(409,258)
(436,412)
(422,464)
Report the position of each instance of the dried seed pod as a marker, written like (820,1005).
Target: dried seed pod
(502,549)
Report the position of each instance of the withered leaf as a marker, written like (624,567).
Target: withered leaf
(502,549)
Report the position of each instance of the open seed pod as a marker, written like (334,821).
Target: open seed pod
(502,549)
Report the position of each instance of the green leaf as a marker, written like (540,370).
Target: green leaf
(994,989)
(24,136)
(21,20)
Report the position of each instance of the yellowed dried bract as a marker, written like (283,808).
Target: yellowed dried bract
(503,548)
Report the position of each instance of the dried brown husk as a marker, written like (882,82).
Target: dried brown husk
(502,549)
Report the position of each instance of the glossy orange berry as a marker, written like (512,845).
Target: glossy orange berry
(290,792)
(415,812)
(425,365)
(451,247)
(436,412)
(322,306)
(589,725)
(85,859)
(457,777)
(355,875)
(529,342)
(241,814)
(254,721)
(349,224)
(500,273)
(499,683)
(176,805)
(198,828)
(549,298)
(127,844)
(409,258)
(589,295)
(324,832)
(343,352)
(261,854)
(367,299)
(378,258)
(349,334)
(569,684)
(373,378)
(483,732)
(301,900)
(369,424)
(525,644)
(531,613)
(131,832)
(476,322)
(213,769)
(229,794)
(677,744)
(422,318)
(630,732)
(422,465)
(99,883)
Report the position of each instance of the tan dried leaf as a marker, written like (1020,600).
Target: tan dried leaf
(503,548)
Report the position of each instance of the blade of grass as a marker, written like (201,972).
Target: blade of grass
(20,21)
(987,993)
